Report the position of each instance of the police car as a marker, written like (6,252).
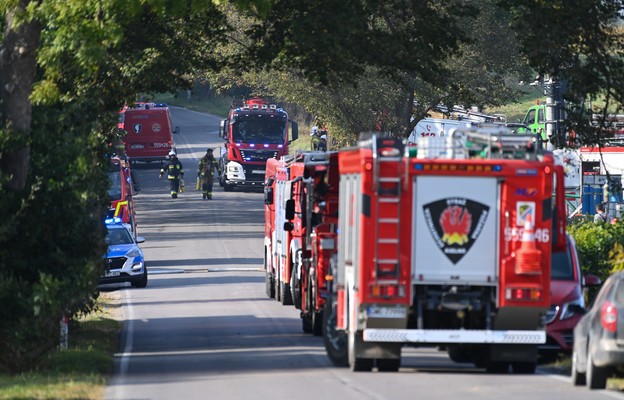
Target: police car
(124,259)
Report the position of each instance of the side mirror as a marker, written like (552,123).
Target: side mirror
(268,195)
(176,130)
(289,226)
(590,280)
(290,209)
(295,130)
(140,239)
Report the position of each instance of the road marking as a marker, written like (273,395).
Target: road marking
(125,357)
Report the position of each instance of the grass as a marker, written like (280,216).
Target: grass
(515,112)
(80,372)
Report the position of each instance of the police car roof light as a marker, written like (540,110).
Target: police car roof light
(112,221)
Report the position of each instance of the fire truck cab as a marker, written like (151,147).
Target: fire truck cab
(448,244)
(253,133)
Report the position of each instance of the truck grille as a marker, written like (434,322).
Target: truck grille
(258,155)
(115,263)
(252,172)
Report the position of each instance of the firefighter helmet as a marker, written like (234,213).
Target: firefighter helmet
(172,153)
(314,131)
(209,150)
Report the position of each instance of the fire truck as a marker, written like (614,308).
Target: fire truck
(253,133)
(448,244)
(301,214)
(121,192)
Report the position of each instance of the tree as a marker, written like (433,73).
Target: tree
(581,43)
(66,68)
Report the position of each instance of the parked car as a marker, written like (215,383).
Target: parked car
(599,337)
(568,302)
(124,259)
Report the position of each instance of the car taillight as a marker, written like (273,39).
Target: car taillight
(608,317)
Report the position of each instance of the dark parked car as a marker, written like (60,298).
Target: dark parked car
(568,302)
(599,337)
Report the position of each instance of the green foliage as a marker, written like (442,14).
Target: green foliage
(51,237)
(599,246)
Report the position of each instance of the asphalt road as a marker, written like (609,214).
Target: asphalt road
(204,329)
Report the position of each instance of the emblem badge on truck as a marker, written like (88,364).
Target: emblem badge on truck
(455,224)
(137,128)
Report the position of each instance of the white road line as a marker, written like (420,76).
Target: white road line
(125,357)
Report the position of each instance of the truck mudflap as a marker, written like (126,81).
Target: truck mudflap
(440,336)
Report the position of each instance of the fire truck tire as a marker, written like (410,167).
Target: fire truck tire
(285,295)
(358,364)
(497,367)
(295,288)
(459,355)
(526,368)
(306,323)
(317,323)
(388,364)
(269,285)
(335,340)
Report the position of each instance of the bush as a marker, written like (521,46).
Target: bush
(599,247)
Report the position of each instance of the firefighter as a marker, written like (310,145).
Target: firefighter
(316,139)
(205,172)
(322,145)
(175,172)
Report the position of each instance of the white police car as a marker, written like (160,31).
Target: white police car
(124,259)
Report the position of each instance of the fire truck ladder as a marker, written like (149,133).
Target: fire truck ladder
(387,168)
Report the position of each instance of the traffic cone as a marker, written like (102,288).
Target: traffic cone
(528,256)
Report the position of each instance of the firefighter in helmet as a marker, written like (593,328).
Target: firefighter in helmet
(175,172)
(205,172)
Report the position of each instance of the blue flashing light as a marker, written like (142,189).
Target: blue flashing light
(112,221)
(497,168)
(418,167)
(252,145)
(266,145)
(279,146)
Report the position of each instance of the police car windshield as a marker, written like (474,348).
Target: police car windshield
(118,236)
(258,129)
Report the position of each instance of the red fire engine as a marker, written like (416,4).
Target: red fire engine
(121,191)
(301,213)
(444,244)
(254,133)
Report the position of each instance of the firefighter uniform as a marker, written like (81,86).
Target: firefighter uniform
(205,172)
(175,172)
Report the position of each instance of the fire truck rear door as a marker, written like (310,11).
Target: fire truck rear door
(455,225)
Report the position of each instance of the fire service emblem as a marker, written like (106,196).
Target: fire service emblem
(455,223)
(137,128)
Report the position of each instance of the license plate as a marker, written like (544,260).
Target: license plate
(109,274)
(386,312)
(137,146)
(258,171)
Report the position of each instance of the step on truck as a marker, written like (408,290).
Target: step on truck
(253,133)
(446,244)
(301,215)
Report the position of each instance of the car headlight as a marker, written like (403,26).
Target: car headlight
(133,253)
(232,168)
(569,310)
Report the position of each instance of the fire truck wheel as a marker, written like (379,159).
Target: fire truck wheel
(357,364)
(335,340)
(459,355)
(295,288)
(286,296)
(269,285)
(317,323)
(388,364)
(524,367)
(497,367)
(306,323)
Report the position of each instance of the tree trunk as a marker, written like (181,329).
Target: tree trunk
(17,73)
